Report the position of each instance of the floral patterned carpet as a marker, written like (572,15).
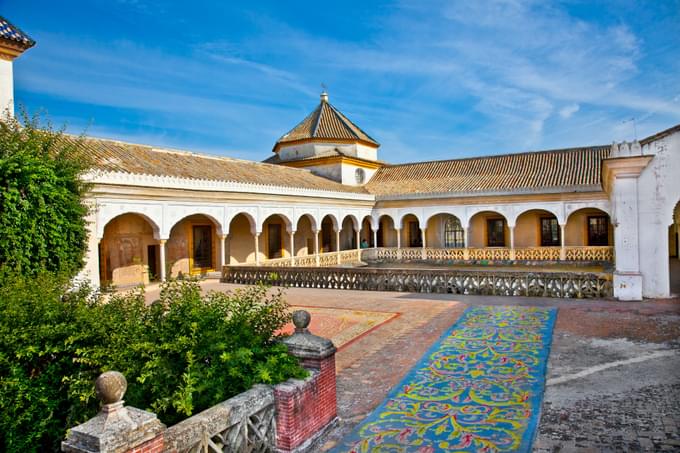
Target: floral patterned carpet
(478,389)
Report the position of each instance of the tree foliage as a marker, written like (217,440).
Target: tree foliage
(42,213)
(180,355)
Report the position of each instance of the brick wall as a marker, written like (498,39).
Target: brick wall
(305,407)
(154,445)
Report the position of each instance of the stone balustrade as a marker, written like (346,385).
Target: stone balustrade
(455,281)
(284,418)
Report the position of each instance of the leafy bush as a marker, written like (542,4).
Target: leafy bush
(180,355)
(42,225)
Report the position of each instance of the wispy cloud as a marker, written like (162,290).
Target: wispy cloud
(433,78)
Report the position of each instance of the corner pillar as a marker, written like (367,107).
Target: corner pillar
(305,410)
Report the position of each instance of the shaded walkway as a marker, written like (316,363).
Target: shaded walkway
(675,276)
(479,387)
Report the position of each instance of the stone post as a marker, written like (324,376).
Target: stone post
(563,241)
(337,245)
(398,243)
(292,248)
(161,256)
(316,247)
(375,239)
(223,254)
(423,235)
(466,250)
(512,242)
(257,249)
(306,409)
(116,429)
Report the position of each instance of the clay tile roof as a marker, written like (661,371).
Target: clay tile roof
(14,35)
(115,156)
(533,171)
(326,123)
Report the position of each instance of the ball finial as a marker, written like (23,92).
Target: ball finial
(301,319)
(110,387)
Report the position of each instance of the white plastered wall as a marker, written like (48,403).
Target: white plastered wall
(658,194)
(6,88)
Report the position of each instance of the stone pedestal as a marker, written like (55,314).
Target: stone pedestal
(116,429)
(305,408)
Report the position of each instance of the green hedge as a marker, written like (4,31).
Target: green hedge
(42,214)
(180,355)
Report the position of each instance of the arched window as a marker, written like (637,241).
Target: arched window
(453,233)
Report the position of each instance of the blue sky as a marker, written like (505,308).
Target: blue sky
(427,79)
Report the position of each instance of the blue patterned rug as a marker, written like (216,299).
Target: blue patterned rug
(478,389)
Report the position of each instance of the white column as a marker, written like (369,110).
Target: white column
(375,239)
(466,250)
(398,238)
(563,241)
(627,276)
(161,256)
(358,234)
(292,248)
(512,242)
(337,245)
(257,249)
(316,247)
(423,235)
(223,259)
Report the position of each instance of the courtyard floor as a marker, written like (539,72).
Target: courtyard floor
(613,380)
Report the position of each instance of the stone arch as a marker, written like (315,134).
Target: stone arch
(548,209)
(108,217)
(348,237)
(537,227)
(305,229)
(286,221)
(438,234)
(248,216)
(387,233)
(128,250)
(421,221)
(217,223)
(328,238)
(274,242)
(193,244)
(241,239)
(577,229)
(366,232)
(484,229)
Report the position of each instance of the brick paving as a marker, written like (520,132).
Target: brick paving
(631,407)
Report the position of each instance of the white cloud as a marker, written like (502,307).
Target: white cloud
(567,111)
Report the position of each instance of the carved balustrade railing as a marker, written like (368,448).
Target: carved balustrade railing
(356,256)
(242,424)
(538,253)
(446,254)
(589,253)
(490,253)
(571,253)
(504,283)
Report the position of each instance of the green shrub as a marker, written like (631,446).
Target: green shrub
(42,214)
(180,355)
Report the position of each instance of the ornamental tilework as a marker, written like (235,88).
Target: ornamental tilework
(478,389)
